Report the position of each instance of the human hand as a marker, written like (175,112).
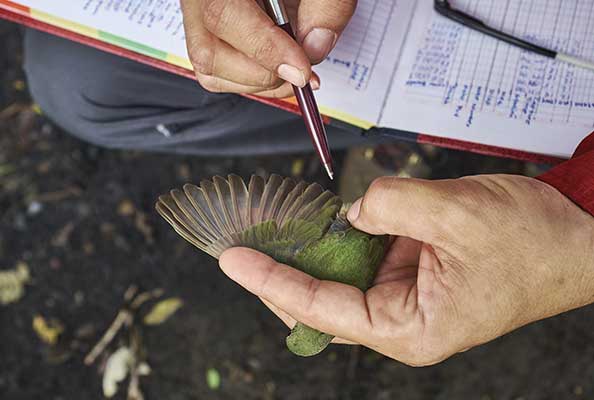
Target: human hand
(472,259)
(235,47)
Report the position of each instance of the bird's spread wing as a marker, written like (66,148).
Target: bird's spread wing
(278,216)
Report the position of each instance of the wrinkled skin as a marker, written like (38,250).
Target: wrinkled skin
(471,259)
(236,48)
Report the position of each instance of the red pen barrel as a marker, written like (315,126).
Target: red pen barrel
(315,125)
(312,118)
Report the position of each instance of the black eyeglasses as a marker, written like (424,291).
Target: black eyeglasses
(444,8)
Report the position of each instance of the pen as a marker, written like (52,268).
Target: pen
(305,97)
(444,8)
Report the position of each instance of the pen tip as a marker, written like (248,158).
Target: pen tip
(329,171)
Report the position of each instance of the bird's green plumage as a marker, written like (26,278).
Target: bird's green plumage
(312,237)
(327,249)
(348,256)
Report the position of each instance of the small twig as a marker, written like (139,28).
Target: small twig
(146,296)
(130,293)
(13,110)
(59,195)
(124,317)
(134,392)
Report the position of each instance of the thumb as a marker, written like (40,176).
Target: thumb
(320,23)
(318,304)
(414,208)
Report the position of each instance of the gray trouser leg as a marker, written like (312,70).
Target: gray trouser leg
(118,103)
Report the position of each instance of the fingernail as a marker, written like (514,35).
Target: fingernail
(353,213)
(223,261)
(315,85)
(291,74)
(318,43)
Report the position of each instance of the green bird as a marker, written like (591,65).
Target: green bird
(298,224)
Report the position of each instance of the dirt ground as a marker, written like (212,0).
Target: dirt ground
(82,219)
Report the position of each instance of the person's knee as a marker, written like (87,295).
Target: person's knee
(91,94)
(57,79)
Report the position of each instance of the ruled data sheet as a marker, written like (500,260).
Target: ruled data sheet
(157,24)
(400,65)
(457,83)
(356,75)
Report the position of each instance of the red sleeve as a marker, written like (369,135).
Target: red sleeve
(575,178)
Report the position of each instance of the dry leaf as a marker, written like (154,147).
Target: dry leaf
(126,208)
(12,283)
(144,369)
(18,85)
(88,248)
(116,369)
(183,172)
(141,223)
(297,167)
(6,169)
(63,236)
(36,109)
(47,331)
(162,311)
(213,379)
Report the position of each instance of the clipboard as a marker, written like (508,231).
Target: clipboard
(22,15)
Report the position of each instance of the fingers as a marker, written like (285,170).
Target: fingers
(320,23)
(319,304)
(404,252)
(214,58)
(235,40)
(290,321)
(283,316)
(219,85)
(286,89)
(400,262)
(414,208)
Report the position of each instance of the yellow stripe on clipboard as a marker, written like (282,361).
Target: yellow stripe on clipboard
(179,61)
(344,117)
(65,24)
(339,115)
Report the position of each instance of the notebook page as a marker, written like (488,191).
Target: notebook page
(354,77)
(356,74)
(153,23)
(456,83)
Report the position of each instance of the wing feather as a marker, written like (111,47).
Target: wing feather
(277,216)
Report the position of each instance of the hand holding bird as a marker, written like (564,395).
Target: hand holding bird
(294,223)
(470,260)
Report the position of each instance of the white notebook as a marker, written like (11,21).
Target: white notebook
(400,65)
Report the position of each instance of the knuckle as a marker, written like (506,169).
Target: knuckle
(373,207)
(270,81)
(424,357)
(346,7)
(441,202)
(337,13)
(474,201)
(213,14)
(279,92)
(423,360)
(202,59)
(209,83)
(379,186)
(378,189)
(310,297)
(264,48)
